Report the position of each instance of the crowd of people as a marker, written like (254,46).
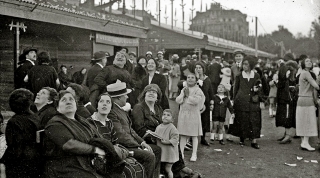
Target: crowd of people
(119,108)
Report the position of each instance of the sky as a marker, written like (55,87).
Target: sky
(295,15)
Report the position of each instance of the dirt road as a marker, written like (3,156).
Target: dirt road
(269,161)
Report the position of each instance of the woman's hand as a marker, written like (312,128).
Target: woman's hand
(203,109)
(146,146)
(255,88)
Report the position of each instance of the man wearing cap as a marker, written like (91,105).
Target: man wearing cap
(238,56)
(26,61)
(164,66)
(148,155)
(213,73)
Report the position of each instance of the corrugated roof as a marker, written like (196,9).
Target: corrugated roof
(57,5)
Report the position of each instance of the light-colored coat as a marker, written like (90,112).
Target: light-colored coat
(189,120)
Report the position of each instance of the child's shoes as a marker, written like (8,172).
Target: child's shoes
(193,158)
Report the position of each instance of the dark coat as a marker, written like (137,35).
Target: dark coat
(247,121)
(21,73)
(208,93)
(45,114)
(213,72)
(92,73)
(42,76)
(243,94)
(129,67)
(68,153)
(143,119)
(123,128)
(139,73)
(65,80)
(161,81)
(221,106)
(22,157)
(78,77)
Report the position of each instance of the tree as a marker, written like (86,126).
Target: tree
(316,34)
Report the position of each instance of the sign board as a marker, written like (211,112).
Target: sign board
(116,41)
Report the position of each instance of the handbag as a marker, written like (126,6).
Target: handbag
(255,98)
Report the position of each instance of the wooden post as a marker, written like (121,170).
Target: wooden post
(16,51)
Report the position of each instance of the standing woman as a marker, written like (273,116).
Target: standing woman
(174,77)
(139,72)
(206,87)
(286,100)
(306,120)
(158,79)
(247,122)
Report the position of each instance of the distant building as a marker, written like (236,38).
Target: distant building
(139,13)
(227,24)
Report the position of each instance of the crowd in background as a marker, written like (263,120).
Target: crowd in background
(118,109)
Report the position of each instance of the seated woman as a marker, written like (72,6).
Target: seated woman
(67,137)
(79,92)
(45,106)
(22,158)
(147,116)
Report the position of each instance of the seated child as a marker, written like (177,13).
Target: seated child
(220,104)
(169,142)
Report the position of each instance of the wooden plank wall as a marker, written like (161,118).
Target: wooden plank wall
(69,49)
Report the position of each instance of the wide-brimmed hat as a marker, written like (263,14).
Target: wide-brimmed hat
(238,51)
(26,50)
(160,52)
(99,55)
(118,89)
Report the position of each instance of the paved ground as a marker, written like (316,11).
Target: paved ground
(269,161)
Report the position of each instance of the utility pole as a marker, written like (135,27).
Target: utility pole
(175,16)
(134,8)
(16,50)
(256,41)
(192,9)
(142,8)
(159,13)
(182,6)
(165,14)
(124,7)
(171,14)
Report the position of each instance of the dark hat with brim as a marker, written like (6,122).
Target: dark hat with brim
(22,56)
(99,55)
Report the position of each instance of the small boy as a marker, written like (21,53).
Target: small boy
(169,142)
(220,104)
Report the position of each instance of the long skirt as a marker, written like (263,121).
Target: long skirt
(306,120)
(247,124)
(205,120)
(286,116)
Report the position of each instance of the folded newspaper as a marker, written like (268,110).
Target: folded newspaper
(154,134)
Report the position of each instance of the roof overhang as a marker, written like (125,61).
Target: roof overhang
(22,10)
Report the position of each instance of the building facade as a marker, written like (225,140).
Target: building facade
(226,24)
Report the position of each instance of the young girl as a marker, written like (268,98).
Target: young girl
(169,143)
(273,94)
(221,103)
(191,100)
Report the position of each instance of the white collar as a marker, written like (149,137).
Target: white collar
(30,61)
(100,65)
(95,118)
(245,75)
(131,61)
(118,106)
